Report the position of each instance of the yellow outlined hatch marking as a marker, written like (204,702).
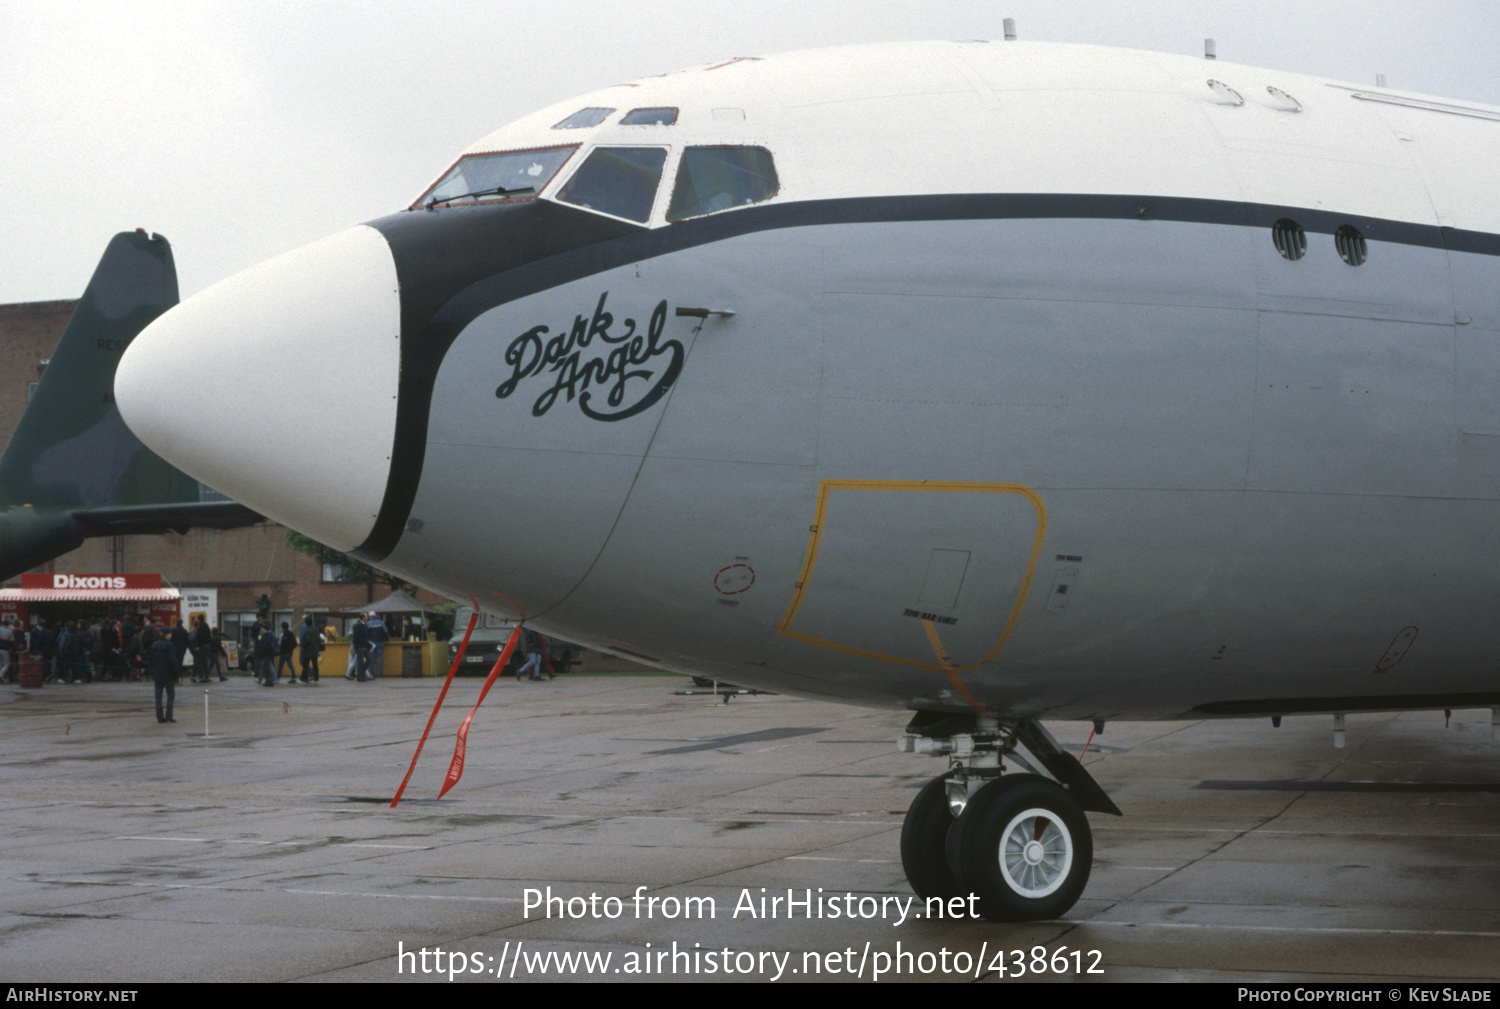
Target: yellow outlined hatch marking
(953,677)
(929,486)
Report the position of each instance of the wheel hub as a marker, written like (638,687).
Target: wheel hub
(1036,853)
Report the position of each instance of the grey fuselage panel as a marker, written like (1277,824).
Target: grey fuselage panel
(1118,461)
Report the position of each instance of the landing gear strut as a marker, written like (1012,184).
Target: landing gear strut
(1019,841)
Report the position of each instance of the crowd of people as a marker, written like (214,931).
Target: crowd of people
(109,649)
(106,649)
(83,651)
(273,652)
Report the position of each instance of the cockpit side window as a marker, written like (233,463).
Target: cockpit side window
(584,118)
(711,179)
(660,116)
(503,175)
(617,180)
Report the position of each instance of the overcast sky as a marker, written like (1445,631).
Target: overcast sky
(240,130)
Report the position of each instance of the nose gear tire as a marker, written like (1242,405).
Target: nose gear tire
(1023,845)
(923,836)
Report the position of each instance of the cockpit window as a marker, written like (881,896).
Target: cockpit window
(501,176)
(711,179)
(617,180)
(584,118)
(664,116)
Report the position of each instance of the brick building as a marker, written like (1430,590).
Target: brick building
(28,332)
(244,564)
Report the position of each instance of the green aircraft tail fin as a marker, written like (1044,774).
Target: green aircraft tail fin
(72,450)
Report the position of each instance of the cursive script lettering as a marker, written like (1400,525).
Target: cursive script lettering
(624,353)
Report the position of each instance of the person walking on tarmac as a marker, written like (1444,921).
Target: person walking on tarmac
(164,672)
(286,645)
(265,655)
(359,642)
(531,644)
(379,635)
(180,642)
(312,643)
(217,655)
(201,641)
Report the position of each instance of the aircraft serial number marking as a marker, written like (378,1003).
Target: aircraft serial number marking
(929,616)
(530,354)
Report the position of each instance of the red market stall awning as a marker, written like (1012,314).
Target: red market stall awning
(145,588)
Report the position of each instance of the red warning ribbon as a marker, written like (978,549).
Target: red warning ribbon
(460,748)
(457,659)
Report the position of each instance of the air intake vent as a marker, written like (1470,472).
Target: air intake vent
(1291,240)
(1351,244)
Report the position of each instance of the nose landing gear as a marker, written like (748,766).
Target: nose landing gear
(924,837)
(1020,842)
(1023,845)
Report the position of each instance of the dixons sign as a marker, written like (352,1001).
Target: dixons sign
(95,582)
(88,582)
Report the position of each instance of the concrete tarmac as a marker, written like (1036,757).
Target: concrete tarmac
(137,852)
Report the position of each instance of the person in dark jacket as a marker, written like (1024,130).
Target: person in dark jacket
(93,647)
(312,644)
(286,646)
(91,661)
(180,642)
(379,635)
(359,641)
(115,666)
(135,654)
(165,668)
(219,655)
(111,663)
(265,656)
(7,649)
(44,643)
(71,667)
(531,646)
(201,641)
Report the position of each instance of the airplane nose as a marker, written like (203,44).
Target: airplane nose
(278,385)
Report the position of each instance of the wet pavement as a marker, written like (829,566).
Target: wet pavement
(134,851)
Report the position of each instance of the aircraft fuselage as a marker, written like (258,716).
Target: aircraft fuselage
(1050,379)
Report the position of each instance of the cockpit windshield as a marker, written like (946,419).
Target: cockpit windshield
(711,179)
(504,175)
(617,180)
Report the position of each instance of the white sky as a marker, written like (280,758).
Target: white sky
(240,130)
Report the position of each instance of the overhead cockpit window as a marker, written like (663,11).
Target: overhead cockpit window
(711,179)
(584,118)
(649,117)
(506,175)
(617,180)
